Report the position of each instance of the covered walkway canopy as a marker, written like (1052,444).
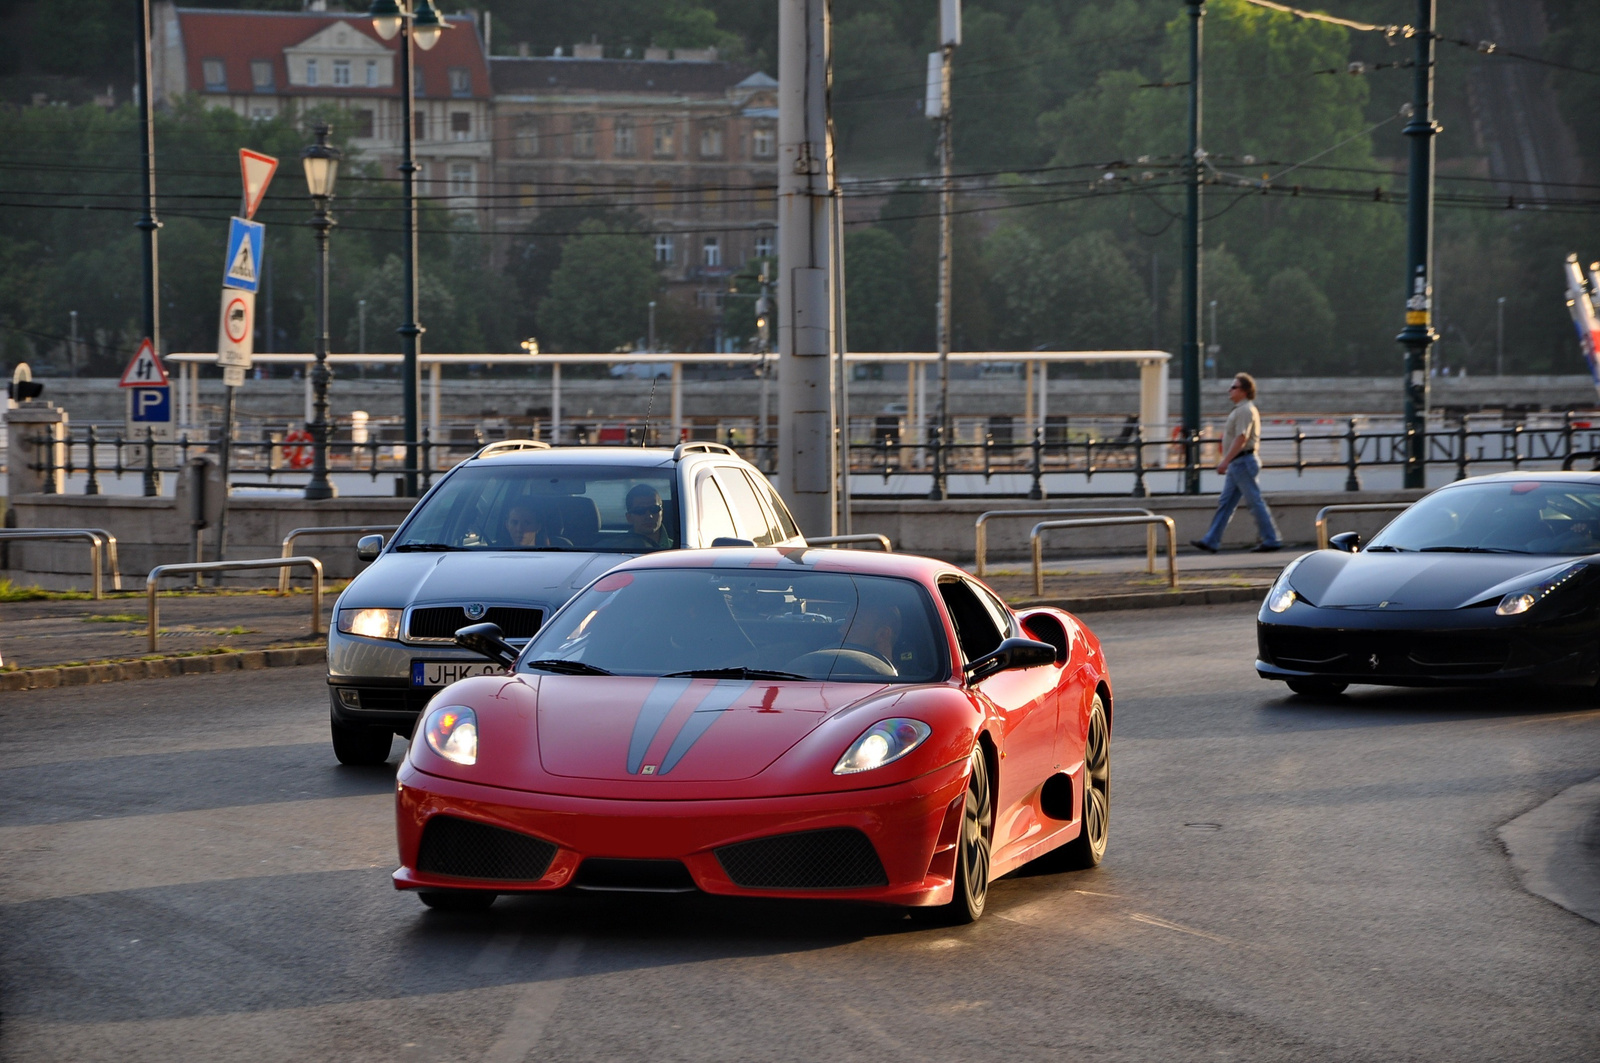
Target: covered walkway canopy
(1152,375)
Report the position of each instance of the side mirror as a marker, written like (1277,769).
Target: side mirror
(1349,542)
(1012,653)
(728,540)
(486,640)
(368,547)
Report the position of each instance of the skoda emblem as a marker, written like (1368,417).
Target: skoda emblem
(1373,661)
(475,611)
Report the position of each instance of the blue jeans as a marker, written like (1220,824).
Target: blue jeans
(1240,482)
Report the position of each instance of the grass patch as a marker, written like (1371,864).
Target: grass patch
(113,618)
(11,591)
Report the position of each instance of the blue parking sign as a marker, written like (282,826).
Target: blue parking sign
(152,405)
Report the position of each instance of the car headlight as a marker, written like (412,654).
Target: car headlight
(452,732)
(1521,601)
(1281,596)
(884,743)
(370,623)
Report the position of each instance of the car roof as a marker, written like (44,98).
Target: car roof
(862,562)
(1526,475)
(634,457)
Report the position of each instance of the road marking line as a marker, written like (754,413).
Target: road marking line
(536,1005)
(1179,927)
(496,953)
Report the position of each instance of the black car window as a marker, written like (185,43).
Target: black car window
(976,629)
(1501,516)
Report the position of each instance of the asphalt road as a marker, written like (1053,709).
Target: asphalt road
(186,874)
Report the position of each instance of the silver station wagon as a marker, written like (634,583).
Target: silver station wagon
(507,537)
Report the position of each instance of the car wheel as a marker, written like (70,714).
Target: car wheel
(972,851)
(1316,688)
(457,900)
(1089,847)
(357,745)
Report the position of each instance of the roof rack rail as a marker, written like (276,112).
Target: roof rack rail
(504,446)
(702,448)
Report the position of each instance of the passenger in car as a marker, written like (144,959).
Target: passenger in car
(644,515)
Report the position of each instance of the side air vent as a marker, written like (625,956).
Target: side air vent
(836,859)
(465,849)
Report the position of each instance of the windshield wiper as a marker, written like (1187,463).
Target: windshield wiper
(733,673)
(1470,550)
(408,547)
(567,667)
(1386,550)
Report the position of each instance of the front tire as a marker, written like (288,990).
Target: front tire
(972,850)
(457,900)
(1089,847)
(1316,688)
(360,746)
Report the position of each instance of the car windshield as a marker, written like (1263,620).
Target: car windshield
(744,624)
(1505,516)
(527,506)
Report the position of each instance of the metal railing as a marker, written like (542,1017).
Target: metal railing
(288,542)
(1365,507)
(980,529)
(882,541)
(160,571)
(102,547)
(1036,540)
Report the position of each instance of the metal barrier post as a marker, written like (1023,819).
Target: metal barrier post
(980,529)
(1361,507)
(152,486)
(151,583)
(1461,448)
(93,486)
(96,539)
(1352,482)
(1139,490)
(1036,541)
(1036,492)
(288,542)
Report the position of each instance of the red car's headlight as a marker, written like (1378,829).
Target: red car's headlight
(883,743)
(452,732)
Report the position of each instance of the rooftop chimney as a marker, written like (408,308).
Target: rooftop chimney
(589,51)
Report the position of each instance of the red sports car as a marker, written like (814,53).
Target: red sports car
(758,722)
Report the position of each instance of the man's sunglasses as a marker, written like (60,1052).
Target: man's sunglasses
(647,511)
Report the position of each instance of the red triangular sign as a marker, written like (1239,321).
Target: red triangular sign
(257,170)
(146,370)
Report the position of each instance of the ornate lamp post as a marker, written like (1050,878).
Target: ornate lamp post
(413,20)
(322,167)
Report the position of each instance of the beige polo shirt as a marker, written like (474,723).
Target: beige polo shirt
(1244,420)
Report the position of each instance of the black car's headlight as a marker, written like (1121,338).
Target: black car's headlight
(1281,596)
(1518,602)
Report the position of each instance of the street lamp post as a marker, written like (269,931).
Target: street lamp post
(411,20)
(322,168)
(1418,335)
(1194,175)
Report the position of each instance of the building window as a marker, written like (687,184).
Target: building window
(663,197)
(527,137)
(364,124)
(341,71)
(461,179)
(583,135)
(527,194)
(311,72)
(263,113)
(763,247)
(765,199)
(712,200)
(261,75)
(622,139)
(460,81)
(372,73)
(216,75)
(664,249)
(663,140)
(624,194)
(711,252)
(710,141)
(764,142)
(416,82)
(419,125)
(460,125)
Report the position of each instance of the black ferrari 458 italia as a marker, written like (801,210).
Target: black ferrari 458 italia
(1493,579)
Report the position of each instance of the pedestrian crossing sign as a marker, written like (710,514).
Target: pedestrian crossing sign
(244,255)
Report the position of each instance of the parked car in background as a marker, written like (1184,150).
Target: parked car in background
(506,537)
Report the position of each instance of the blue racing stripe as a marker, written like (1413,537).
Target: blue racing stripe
(721,698)
(652,714)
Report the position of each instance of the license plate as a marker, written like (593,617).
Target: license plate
(443,673)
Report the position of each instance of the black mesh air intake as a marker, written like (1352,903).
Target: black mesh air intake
(442,622)
(835,859)
(644,876)
(465,849)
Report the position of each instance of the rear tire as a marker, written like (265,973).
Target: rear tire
(1316,688)
(360,746)
(457,900)
(1089,847)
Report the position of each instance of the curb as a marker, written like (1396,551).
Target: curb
(1107,603)
(162,668)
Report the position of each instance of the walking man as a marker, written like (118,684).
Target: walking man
(1241,435)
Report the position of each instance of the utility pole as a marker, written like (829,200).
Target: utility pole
(148,223)
(937,107)
(1418,335)
(1189,353)
(1213,349)
(1500,336)
(805,239)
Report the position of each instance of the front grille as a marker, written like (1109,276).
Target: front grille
(442,622)
(465,849)
(1381,653)
(642,876)
(835,859)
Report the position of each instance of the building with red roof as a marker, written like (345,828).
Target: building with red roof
(266,64)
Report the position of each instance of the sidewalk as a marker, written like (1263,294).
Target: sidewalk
(1099,578)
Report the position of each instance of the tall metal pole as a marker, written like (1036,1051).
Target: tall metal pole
(1418,335)
(1189,353)
(410,331)
(805,235)
(941,483)
(1500,336)
(148,223)
(321,222)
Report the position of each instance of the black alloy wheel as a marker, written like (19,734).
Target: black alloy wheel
(457,900)
(1316,688)
(973,847)
(356,745)
(1089,847)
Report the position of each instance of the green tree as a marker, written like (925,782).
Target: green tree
(879,301)
(599,295)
